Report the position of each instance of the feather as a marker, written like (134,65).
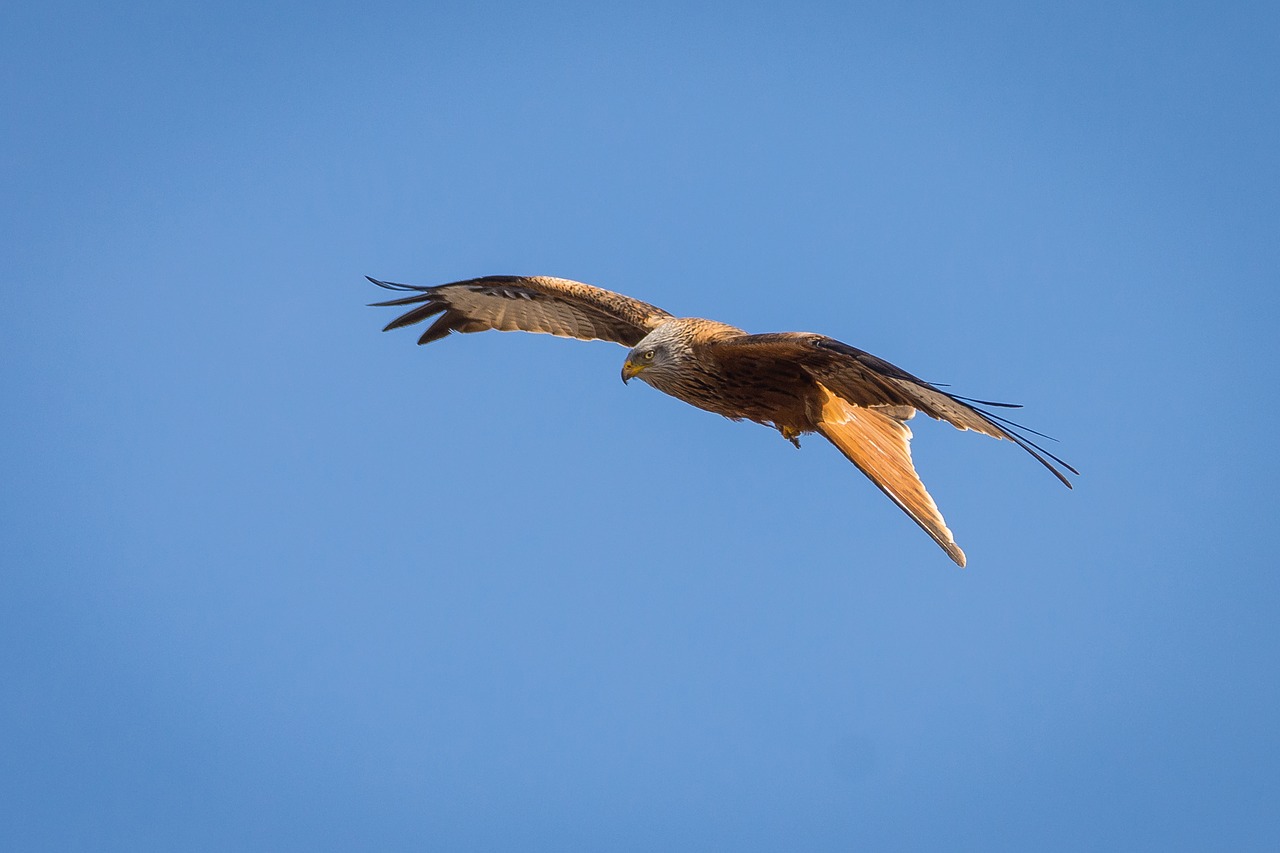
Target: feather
(880,446)
(510,303)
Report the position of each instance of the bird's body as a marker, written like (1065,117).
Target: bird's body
(795,382)
(705,367)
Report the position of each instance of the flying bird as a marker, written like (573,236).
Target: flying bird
(794,382)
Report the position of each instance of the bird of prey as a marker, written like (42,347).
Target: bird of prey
(794,382)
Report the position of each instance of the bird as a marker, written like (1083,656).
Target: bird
(798,383)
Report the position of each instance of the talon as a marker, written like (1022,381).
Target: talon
(791,435)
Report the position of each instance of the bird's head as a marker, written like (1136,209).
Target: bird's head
(656,354)
(638,361)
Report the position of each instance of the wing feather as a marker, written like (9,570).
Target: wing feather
(941,405)
(879,444)
(553,306)
(862,379)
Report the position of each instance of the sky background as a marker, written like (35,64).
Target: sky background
(273,580)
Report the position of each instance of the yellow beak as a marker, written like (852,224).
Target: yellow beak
(631,369)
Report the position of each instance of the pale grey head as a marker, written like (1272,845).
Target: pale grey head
(660,353)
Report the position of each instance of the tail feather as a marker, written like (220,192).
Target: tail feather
(879,444)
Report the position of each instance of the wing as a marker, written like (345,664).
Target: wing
(509,303)
(863,380)
(879,444)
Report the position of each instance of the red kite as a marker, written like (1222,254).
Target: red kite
(795,382)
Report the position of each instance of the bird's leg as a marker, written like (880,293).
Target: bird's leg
(790,434)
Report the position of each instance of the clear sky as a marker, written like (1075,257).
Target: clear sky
(274,580)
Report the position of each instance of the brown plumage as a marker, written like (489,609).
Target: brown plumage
(795,382)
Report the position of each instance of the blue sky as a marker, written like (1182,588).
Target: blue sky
(274,580)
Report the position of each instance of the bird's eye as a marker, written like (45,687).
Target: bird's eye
(648,355)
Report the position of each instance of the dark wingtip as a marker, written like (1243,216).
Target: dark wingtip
(392,285)
(972,401)
(1016,433)
(437,330)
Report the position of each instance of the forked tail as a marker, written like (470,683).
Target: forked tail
(880,445)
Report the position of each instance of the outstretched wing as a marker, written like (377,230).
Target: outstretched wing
(508,303)
(877,440)
(862,379)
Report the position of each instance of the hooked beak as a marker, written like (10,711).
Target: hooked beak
(630,369)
